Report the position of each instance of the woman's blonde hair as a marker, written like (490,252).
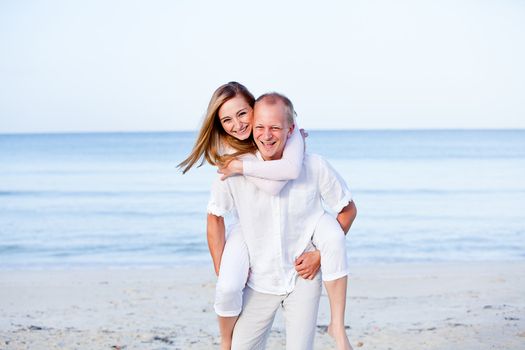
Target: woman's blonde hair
(212,138)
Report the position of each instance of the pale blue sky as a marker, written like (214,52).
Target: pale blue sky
(103,65)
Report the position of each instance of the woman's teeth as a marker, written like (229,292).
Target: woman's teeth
(240,131)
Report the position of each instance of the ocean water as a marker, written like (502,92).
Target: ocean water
(117,199)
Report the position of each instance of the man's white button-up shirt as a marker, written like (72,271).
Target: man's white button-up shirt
(277,229)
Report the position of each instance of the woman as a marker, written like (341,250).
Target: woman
(225,135)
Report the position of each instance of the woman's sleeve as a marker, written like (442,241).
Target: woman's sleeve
(287,168)
(272,187)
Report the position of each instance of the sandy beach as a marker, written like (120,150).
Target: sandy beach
(390,306)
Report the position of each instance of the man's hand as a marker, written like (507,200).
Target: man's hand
(234,167)
(308,264)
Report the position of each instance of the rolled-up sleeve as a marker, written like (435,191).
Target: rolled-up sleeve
(333,188)
(221,200)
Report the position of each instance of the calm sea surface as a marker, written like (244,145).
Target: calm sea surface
(117,199)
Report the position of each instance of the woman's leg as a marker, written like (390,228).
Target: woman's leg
(231,281)
(226,325)
(330,239)
(336,290)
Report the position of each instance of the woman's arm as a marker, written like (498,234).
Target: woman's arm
(215,231)
(272,187)
(269,186)
(286,168)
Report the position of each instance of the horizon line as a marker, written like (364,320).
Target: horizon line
(194,131)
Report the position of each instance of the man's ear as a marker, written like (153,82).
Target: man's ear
(290,131)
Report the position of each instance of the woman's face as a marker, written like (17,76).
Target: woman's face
(236,117)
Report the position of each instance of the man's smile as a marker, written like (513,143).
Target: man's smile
(268,144)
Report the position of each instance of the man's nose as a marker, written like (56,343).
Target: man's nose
(267,134)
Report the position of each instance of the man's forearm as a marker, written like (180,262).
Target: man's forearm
(215,232)
(347,216)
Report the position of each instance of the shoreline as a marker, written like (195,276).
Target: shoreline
(205,264)
(434,305)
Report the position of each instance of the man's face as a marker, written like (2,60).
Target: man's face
(271,129)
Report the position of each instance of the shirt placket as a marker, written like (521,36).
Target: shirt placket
(278,267)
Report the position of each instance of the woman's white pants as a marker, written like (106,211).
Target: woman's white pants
(328,237)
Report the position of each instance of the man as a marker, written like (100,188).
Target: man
(277,230)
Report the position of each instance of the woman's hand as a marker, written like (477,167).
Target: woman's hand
(304,134)
(234,167)
(308,264)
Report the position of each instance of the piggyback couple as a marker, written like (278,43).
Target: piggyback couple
(290,211)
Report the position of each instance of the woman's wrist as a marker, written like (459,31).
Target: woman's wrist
(238,167)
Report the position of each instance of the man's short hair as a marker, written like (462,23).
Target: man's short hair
(273,98)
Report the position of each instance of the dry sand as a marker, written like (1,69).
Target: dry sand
(423,306)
